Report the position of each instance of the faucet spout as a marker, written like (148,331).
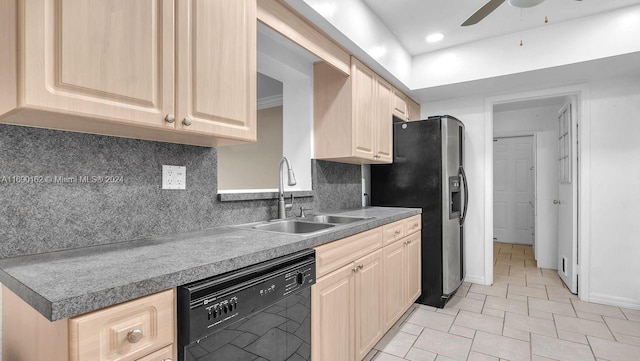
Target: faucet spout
(291,180)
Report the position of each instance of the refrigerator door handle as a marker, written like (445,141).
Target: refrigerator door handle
(466,195)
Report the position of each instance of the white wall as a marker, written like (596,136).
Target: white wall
(615,191)
(254,165)
(613,175)
(599,36)
(526,120)
(471,112)
(361,26)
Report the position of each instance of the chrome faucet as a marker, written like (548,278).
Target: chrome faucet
(282,206)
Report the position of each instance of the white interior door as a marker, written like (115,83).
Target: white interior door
(513,219)
(567,197)
(546,234)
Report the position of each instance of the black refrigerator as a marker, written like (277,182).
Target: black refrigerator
(428,172)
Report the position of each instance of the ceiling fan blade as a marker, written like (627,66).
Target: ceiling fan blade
(483,12)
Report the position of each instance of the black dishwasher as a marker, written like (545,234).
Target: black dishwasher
(261,312)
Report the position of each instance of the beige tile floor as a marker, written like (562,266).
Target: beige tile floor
(527,314)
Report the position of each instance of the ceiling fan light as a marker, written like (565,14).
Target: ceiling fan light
(525,3)
(435,37)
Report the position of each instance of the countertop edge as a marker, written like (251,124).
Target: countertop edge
(58,309)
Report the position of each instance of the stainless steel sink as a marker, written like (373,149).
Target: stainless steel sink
(327,218)
(293,226)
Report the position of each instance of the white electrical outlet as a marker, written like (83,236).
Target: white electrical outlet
(174,177)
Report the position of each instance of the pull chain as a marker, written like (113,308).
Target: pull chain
(521,27)
(546,10)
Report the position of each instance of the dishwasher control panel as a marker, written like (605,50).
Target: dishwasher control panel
(208,306)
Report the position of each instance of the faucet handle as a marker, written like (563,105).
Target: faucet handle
(289,206)
(302,210)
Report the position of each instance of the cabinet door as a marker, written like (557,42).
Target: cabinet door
(332,316)
(368,303)
(383,117)
(363,121)
(413,110)
(216,83)
(394,282)
(106,59)
(399,105)
(413,268)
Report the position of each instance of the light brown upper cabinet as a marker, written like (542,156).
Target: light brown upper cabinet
(400,108)
(413,110)
(352,115)
(404,107)
(166,70)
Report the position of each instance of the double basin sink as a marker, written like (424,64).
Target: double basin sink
(306,225)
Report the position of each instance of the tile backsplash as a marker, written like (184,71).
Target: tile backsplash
(61,190)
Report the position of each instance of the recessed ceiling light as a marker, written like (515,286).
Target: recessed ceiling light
(434,38)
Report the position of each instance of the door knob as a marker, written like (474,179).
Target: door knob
(555,201)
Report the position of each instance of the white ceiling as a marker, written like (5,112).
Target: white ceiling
(622,65)
(412,20)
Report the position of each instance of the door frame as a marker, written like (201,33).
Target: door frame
(583,157)
(534,139)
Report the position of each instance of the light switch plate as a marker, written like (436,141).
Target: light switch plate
(174,177)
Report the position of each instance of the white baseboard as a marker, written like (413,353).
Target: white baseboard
(475,279)
(615,301)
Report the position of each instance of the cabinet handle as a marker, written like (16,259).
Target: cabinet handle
(415,225)
(354,269)
(134,335)
(169,118)
(360,266)
(186,121)
(397,232)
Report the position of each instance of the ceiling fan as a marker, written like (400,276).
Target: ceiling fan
(489,7)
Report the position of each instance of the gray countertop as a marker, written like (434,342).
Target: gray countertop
(67,283)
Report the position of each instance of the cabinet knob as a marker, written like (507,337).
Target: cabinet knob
(167,359)
(186,121)
(360,266)
(169,118)
(397,232)
(134,335)
(354,269)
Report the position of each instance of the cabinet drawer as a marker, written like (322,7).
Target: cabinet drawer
(160,355)
(393,231)
(124,332)
(336,254)
(413,224)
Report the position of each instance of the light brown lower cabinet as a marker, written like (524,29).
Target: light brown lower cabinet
(402,276)
(368,312)
(357,298)
(347,321)
(333,316)
(138,330)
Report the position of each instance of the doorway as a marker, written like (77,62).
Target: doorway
(534,203)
